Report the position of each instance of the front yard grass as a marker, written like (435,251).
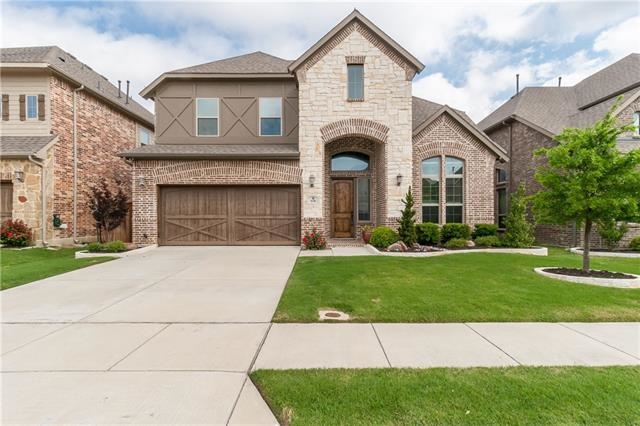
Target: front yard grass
(24,266)
(477,396)
(455,288)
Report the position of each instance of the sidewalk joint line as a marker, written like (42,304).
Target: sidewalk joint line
(492,344)
(597,340)
(380,343)
(139,346)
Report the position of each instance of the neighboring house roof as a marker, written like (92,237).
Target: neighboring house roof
(425,112)
(67,66)
(24,146)
(191,152)
(551,109)
(360,18)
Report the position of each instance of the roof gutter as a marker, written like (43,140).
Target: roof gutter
(43,196)
(75,163)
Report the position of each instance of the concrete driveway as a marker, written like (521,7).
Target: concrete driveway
(167,336)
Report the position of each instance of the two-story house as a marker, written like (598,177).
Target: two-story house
(530,119)
(255,149)
(62,127)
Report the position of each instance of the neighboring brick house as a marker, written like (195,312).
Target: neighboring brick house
(256,149)
(43,89)
(531,118)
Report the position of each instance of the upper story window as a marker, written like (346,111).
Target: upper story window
(270,116)
(207,116)
(32,107)
(636,123)
(501,175)
(355,82)
(349,162)
(144,136)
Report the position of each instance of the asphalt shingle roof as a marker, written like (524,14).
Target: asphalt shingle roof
(67,65)
(214,151)
(554,108)
(251,63)
(23,146)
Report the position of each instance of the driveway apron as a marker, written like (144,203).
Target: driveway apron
(166,336)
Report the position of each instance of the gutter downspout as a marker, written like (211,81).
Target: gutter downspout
(43,199)
(75,165)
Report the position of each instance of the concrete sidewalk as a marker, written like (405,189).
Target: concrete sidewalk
(291,346)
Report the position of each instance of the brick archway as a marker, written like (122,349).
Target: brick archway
(354,127)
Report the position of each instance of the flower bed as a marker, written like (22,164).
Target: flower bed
(435,251)
(600,278)
(85,253)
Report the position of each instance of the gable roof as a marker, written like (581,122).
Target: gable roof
(356,16)
(70,68)
(425,112)
(551,109)
(251,63)
(24,146)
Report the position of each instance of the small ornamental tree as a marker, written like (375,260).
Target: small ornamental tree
(587,180)
(407,221)
(519,230)
(108,208)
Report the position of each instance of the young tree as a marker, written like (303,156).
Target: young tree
(587,180)
(108,208)
(519,231)
(407,221)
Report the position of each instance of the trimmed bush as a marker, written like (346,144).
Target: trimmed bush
(455,230)
(114,246)
(456,243)
(383,236)
(635,244)
(488,241)
(94,247)
(485,230)
(611,232)
(428,234)
(15,233)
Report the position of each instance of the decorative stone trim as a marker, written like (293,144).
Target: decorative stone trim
(354,127)
(355,60)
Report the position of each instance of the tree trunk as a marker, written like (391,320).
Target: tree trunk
(587,245)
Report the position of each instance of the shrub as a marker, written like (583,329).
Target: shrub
(635,244)
(15,233)
(456,243)
(95,247)
(455,230)
(485,230)
(314,240)
(611,232)
(383,237)
(407,221)
(519,231)
(488,241)
(108,208)
(428,234)
(114,246)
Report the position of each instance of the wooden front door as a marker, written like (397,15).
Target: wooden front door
(342,208)
(6,200)
(229,215)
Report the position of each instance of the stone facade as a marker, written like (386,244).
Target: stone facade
(446,137)
(383,117)
(149,175)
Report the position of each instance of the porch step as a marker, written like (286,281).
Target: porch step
(345,242)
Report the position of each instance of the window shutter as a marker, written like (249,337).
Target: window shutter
(41,107)
(23,110)
(5,107)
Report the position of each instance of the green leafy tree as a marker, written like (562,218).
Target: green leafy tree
(407,221)
(588,180)
(519,230)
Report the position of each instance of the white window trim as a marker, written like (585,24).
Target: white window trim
(206,116)
(260,116)
(439,177)
(446,175)
(26,108)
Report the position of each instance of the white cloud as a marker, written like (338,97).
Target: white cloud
(621,39)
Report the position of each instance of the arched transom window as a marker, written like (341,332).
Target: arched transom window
(452,174)
(349,162)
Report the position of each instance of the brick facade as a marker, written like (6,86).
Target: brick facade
(149,175)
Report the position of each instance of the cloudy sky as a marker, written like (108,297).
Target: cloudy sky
(472,50)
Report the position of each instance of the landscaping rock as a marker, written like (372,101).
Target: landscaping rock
(471,244)
(398,247)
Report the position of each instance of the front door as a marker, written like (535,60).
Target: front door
(342,208)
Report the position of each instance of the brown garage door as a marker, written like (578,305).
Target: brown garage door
(229,215)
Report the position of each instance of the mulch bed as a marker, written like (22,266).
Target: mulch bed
(574,272)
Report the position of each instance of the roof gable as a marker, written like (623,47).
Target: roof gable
(355,21)
(251,63)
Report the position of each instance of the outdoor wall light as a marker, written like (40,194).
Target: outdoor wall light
(18,175)
(140,181)
(399,180)
(312,181)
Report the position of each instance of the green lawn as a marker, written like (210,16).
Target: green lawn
(454,288)
(24,266)
(448,396)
